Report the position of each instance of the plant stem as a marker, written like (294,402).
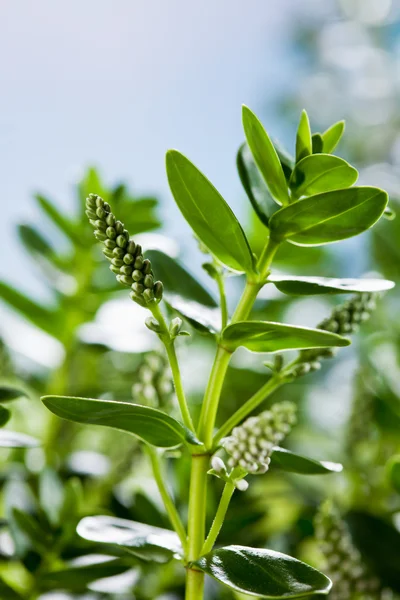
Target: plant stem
(165,495)
(222,296)
(173,361)
(219,518)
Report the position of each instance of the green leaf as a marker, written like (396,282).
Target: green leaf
(208,214)
(144,541)
(321,173)
(393,472)
(34,241)
(13,439)
(309,286)
(8,592)
(77,578)
(40,316)
(29,526)
(317,143)
(5,416)
(263,573)
(329,217)
(51,494)
(331,136)
(303,137)
(149,424)
(65,225)
(9,392)
(287,160)
(265,156)
(264,336)
(204,319)
(177,280)
(254,185)
(294,463)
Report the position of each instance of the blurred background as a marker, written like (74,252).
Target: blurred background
(93,94)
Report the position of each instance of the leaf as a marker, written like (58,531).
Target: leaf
(204,319)
(51,494)
(149,424)
(64,224)
(8,592)
(144,541)
(12,439)
(9,392)
(393,472)
(34,241)
(317,143)
(321,173)
(287,160)
(331,136)
(29,526)
(177,280)
(263,573)
(5,416)
(294,463)
(265,336)
(265,156)
(208,214)
(303,137)
(329,217)
(40,316)
(297,285)
(254,185)
(77,577)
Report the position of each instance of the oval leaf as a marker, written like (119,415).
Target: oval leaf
(149,424)
(321,173)
(329,217)
(295,463)
(265,156)
(208,214)
(303,137)
(331,136)
(263,573)
(317,143)
(204,319)
(265,336)
(177,280)
(13,439)
(144,541)
(310,286)
(9,391)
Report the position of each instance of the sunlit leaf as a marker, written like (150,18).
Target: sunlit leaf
(7,592)
(303,137)
(294,463)
(151,425)
(297,285)
(331,137)
(263,573)
(321,173)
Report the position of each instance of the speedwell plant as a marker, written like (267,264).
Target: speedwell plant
(308,200)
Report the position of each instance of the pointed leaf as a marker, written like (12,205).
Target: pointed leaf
(8,592)
(177,280)
(321,173)
(62,223)
(263,573)
(5,416)
(331,136)
(208,214)
(265,336)
(144,541)
(34,241)
(10,391)
(13,439)
(149,424)
(287,160)
(254,185)
(303,137)
(204,319)
(317,143)
(309,286)
(265,156)
(329,217)
(294,463)
(77,577)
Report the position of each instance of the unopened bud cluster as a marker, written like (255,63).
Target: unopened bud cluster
(251,444)
(153,386)
(344,564)
(125,256)
(344,320)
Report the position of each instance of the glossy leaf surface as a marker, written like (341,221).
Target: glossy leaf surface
(145,541)
(303,137)
(295,463)
(310,286)
(177,280)
(265,336)
(13,439)
(321,173)
(208,214)
(149,424)
(331,136)
(204,319)
(265,156)
(263,573)
(329,217)
(254,185)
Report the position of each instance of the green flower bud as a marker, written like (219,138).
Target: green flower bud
(138,262)
(158,290)
(108,253)
(99,235)
(175,327)
(119,227)
(146,267)
(148,295)
(119,252)
(131,248)
(137,275)
(126,270)
(125,279)
(110,220)
(128,259)
(117,262)
(149,281)
(101,213)
(91,215)
(110,244)
(99,202)
(114,269)
(153,325)
(121,241)
(111,233)
(138,288)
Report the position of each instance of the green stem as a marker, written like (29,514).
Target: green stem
(173,361)
(165,495)
(219,518)
(223,302)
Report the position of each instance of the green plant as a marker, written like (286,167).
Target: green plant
(307,201)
